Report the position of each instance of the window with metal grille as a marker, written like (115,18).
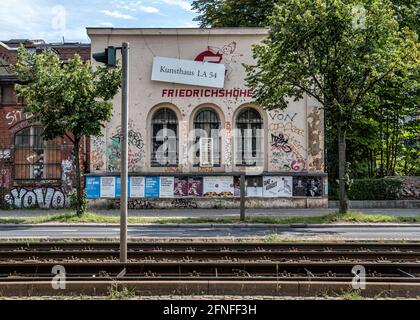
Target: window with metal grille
(164,138)
(207,135)
(36,158)
(249,139)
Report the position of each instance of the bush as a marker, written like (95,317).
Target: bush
(375,189)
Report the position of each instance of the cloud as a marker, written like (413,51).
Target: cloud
(37,19)
(117,15)
(106,24)
(134,6)
(149,9)
(179,3)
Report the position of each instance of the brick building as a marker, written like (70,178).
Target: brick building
(33,172)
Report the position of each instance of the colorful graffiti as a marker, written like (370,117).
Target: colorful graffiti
(44,198)
(135,150)
(97,153)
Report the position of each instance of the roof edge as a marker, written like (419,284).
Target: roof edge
(176,31)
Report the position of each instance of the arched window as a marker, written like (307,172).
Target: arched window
(164,138)
(36,158)
(249,138)
(207,138)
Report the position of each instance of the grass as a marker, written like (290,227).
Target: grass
(116,293)
(90,217)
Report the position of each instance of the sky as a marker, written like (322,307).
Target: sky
(51,20)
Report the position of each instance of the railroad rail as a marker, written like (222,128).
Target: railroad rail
(262,264)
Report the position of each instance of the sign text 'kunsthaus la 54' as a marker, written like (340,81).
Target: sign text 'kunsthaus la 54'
(188,72)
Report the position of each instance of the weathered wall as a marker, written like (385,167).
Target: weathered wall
(30,193)
(293,137)
(213,203)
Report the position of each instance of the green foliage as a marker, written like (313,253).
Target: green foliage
(375,189)
(369,153)
(337,54)
(80,205)
(233,13)
(68,98)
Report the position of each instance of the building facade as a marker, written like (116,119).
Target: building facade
(33,172)
(188,143)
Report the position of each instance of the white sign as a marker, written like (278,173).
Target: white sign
(218,187)
(188,72)
(108,185)
(136,187)
(277,186)
(167,187)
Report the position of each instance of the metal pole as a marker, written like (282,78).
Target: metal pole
(124,153)
(242,197)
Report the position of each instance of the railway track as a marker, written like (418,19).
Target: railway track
(261,264)
(147,252)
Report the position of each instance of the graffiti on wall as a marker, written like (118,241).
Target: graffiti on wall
(16,116)
(280,143)
(136,151)
(44,198)
(315,152)
(97,153)
(286,150)
(139,204)
(184,204)
(67,173)
(5,178)
(5,154)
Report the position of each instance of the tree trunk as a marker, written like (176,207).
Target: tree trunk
(79,206)
(342,169)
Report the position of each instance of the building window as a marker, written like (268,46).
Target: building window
(8,95)
(249,138)
(207,138)
(36,158)
(164,138)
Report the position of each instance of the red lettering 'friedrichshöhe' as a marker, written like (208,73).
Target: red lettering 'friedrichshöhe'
(213,93)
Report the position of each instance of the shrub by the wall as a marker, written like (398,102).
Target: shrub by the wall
(375,189)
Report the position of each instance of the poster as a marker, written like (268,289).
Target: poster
(108,186)
(152,187)
(166,187)
(136,187)
(314,187)
(181,187)
(307,187)
(218,186)
(195,187)
(93,187)
(237,186)
(277,186)
(254,186)
(299,186)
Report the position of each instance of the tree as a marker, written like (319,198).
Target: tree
(67,98)
(233,13)
(337,52)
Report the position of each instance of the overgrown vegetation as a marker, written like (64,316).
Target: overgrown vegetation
(382,132)
(89,217)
